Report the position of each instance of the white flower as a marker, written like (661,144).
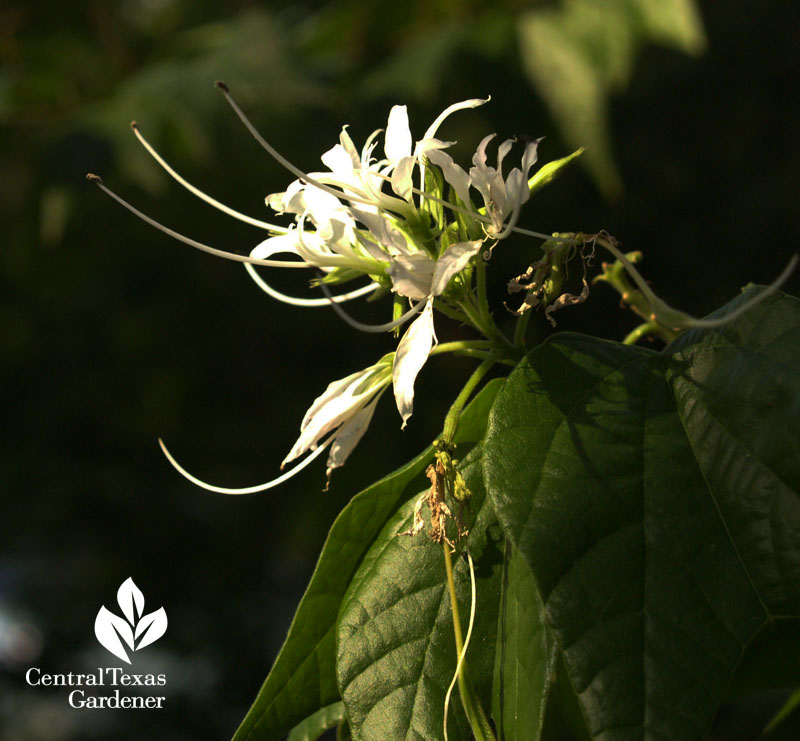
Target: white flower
(418,277)
(346,408)
(502,198)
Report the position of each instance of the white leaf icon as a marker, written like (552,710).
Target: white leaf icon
(115,632)
(151,627)
(109,628)
(131,600)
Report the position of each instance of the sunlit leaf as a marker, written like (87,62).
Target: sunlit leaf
(303,679)
(396,652)
(315,725)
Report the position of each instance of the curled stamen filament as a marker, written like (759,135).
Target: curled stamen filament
(347,192)
(296,301)
(199,193)
(247,489)
(415,309)
(462,655)
(188,240)
(661,309)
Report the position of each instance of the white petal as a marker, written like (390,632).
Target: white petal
(339,402)
(502,151)
(397,143)
(472,103)
(350,148)
(453,174)
(340,162)
(283,243)
(530,156)
(402,177)
(479,158)
(412,352)
(412,275)
(349,434)
(453,260)
(327,412)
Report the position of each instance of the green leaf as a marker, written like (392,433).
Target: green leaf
(549,172)
(315,725)
(396,651)
(526,654)
(655,499)
(303,680)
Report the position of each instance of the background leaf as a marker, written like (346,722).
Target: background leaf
(655,499)
(580,52)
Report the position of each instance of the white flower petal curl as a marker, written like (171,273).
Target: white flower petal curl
(412,275)
(338,404)
(452,261)
(349,435)
(412,352)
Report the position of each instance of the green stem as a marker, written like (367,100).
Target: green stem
(454,413)
(472,707)
(461,346)
(483,301)
(519,330)
(476,716)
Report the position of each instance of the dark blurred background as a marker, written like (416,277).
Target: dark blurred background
(113,335)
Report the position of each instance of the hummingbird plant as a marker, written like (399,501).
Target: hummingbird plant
(599,534)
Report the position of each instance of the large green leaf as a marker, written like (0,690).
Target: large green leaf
(303,680)
(655,498)
(396,651)
(526,654)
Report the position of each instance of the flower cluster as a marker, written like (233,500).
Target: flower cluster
(405,219)
(401,217)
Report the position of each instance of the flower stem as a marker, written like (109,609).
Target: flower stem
(519,330)
(472,707)
(475,714)
(454,413)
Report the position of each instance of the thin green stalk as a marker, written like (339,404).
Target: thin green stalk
(461,346)
(475,715)
(519,330)
(454,413)
(472,707)
(483,301)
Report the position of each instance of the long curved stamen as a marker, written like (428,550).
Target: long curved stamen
(689,321)
(462,655)
(295,301)
(247,489)
(188,240)
(199,193)
(768,291)
(377,328)
(396,203)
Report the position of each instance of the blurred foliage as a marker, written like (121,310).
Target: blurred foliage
(575,54)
